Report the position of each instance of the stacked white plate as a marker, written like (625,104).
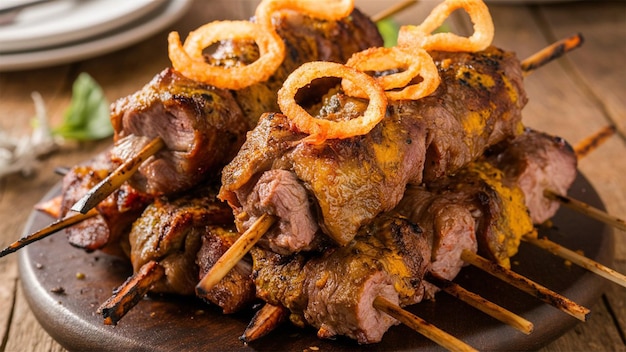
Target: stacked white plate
(63,31)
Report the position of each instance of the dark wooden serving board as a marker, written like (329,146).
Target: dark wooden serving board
(66,304)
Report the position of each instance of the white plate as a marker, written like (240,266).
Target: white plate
(64,21)
(118,39)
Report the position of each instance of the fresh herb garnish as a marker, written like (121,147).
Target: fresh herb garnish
(388,29)
(88,116)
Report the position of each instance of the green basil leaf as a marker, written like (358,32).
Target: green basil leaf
(88,116)
(388,29)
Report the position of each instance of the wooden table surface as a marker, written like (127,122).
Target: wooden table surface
(572,97)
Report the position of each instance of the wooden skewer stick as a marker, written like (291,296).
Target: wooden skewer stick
(592,142)
(482,304)
(586,209)
(583,149)
(551,52)
(264,322)
(114,180)
(399,7)
(229,259)
(48,230)
(130,292)
(523,283)
(420,325)
(578,259)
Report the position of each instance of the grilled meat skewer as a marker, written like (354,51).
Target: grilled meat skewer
(203,126)
(477,105)
(108,230)
(170,235)
(441,211)
(334,291)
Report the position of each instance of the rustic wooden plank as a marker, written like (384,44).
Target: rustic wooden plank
(599,70)
(592,335)
(8,277)
(603,24)
(616,300)
(26,334)
(556,91)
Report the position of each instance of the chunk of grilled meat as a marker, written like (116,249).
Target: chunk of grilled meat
(535,162)
(499,214)
(236,290)
(477,105)
(172,244)
(278,192)
(496,199)
(170,233)
(333,291)
(203,126)
(107,231)
(449,224)
(306,39)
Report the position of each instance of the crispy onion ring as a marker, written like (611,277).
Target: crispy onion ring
(187,58)
(416,62)
(320,129)
(421,35)
(189,61)
(331,10)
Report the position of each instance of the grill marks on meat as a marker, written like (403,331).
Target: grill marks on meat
(107,231)
(478,104)
(334,291)
(170,233)
(202,126)
(352,180)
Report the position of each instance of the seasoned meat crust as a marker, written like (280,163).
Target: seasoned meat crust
(198,124)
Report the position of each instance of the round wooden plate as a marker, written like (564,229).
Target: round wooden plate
(65,303)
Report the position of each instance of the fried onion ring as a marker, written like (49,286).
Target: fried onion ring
(421,35)
(320,129)
(189,61)
(330,10)
(416,63)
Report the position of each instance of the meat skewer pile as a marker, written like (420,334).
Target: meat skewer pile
(376,248)
(210,123)
(449,224)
